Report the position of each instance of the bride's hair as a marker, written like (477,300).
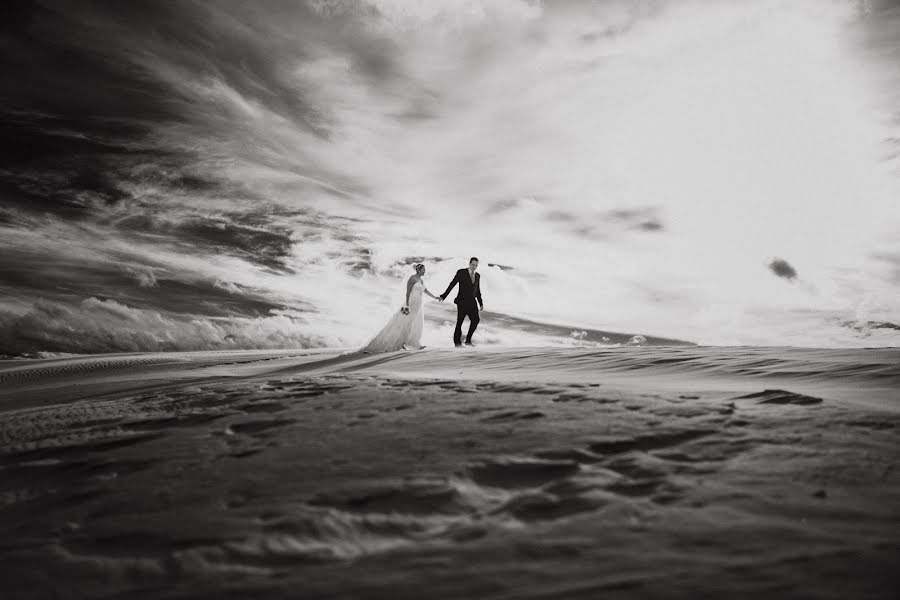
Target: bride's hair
(419,266)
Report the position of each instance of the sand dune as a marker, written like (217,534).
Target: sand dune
(495,473)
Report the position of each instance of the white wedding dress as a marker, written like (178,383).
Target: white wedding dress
(402,332)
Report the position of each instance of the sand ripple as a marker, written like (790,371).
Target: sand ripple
(343,481)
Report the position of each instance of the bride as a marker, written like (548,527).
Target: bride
(404,330)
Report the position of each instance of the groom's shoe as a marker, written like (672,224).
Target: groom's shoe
(458,345)
(470,344)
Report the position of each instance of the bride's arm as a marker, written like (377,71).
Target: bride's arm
(429,293)
(409,286)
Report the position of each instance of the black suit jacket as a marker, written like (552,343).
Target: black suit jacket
(468,292)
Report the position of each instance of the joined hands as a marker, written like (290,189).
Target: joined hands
(442,298)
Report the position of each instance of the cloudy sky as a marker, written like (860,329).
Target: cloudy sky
(229,174)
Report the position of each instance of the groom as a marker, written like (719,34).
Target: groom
(469,291)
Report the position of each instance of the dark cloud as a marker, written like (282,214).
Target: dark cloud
(781,268)
(501,206)
(592,232)
(91,84)
(142,286)
(355,261)
(209,298)
(96,59)
(97,325)
(643,219)
(502,267)
(650,226)
(609,224)
(868,326)
(74,108)
(414,260)
(602,226)
(361,262)
(73,74)
(266,247)
(883,325)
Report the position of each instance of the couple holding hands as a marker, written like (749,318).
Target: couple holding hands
(404,330)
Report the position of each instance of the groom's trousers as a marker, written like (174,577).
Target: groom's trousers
(463,311)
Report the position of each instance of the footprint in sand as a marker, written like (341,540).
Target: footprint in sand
(411,497)
(781,397)
(516,473)
(261,426)
(513,415)
(571,396)
(542,506)
(163,423)
(267,407)
(619,445)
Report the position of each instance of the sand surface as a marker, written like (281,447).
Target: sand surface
(649,472)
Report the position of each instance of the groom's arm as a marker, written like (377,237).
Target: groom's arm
(478,293)
(450,287)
